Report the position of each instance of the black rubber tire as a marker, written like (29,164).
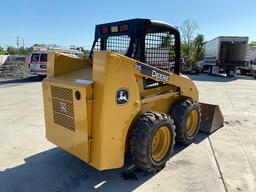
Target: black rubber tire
(194,72)
(242,72)
(210,70)
(228,72)
(180,112)
(254,75)
(41,77)
(141,140)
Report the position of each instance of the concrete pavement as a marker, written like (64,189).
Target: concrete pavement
(223,161)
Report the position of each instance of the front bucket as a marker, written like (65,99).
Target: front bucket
(211,118)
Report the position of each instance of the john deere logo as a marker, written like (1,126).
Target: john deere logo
(122,96)
(63,108)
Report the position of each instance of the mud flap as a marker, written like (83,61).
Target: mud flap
(211,118)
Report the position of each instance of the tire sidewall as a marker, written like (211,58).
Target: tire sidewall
(142,136)
(170,148)
(190,109)
(180,112)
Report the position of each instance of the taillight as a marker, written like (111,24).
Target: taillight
(104,30)
(114,29)
(124,28)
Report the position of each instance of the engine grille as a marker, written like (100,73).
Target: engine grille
(62,93)
(63,107)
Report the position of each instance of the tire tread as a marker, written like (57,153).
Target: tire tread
(140,140)
(178,112)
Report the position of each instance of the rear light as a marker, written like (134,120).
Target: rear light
(104,30)
(123,28)
(114,29)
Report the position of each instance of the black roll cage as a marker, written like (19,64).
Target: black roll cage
(137,30)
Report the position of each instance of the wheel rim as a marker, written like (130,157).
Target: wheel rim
(161,143)
(192,123)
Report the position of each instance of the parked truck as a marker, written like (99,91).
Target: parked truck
(250,67)
(225,54)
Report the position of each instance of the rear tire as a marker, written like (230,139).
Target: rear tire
(152,141)
(230,72)
(41,77)
(187,117)
(254,75)
(210,70)
(242,72)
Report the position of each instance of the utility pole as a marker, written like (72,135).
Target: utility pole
(18,42)
(23,45)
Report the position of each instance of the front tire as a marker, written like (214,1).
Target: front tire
(187,116)
(152,141)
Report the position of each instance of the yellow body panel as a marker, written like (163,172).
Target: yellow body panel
(101,125)
(60,64)
(68,129)
(111,122)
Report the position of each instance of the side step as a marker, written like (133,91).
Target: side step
(211,118)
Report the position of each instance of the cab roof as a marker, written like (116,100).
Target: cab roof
(136,27)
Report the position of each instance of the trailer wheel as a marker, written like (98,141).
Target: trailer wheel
(187,117)
(230,72)
(152,141)
(242,71)
(254,75)
(210,70)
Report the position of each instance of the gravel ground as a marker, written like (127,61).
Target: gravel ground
(14,70)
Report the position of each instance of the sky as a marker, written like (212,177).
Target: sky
(73,22)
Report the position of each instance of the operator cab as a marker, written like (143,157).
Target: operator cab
(152,42)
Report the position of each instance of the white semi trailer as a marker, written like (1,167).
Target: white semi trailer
(250,68)
(225,54)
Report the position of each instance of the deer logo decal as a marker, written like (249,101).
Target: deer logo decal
(122,96)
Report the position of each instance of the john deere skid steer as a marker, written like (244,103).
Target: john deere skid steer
(127,97)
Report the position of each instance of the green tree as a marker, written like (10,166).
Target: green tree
(188,30)
(168,42)
(252,43)
(199,46)
(23,51)
(1,50)
(12,50)
(86,52)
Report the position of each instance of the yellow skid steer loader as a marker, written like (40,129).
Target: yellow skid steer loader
(127,97)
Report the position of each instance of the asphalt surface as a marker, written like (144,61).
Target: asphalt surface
(222,161)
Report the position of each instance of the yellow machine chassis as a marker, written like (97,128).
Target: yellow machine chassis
(100,125)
